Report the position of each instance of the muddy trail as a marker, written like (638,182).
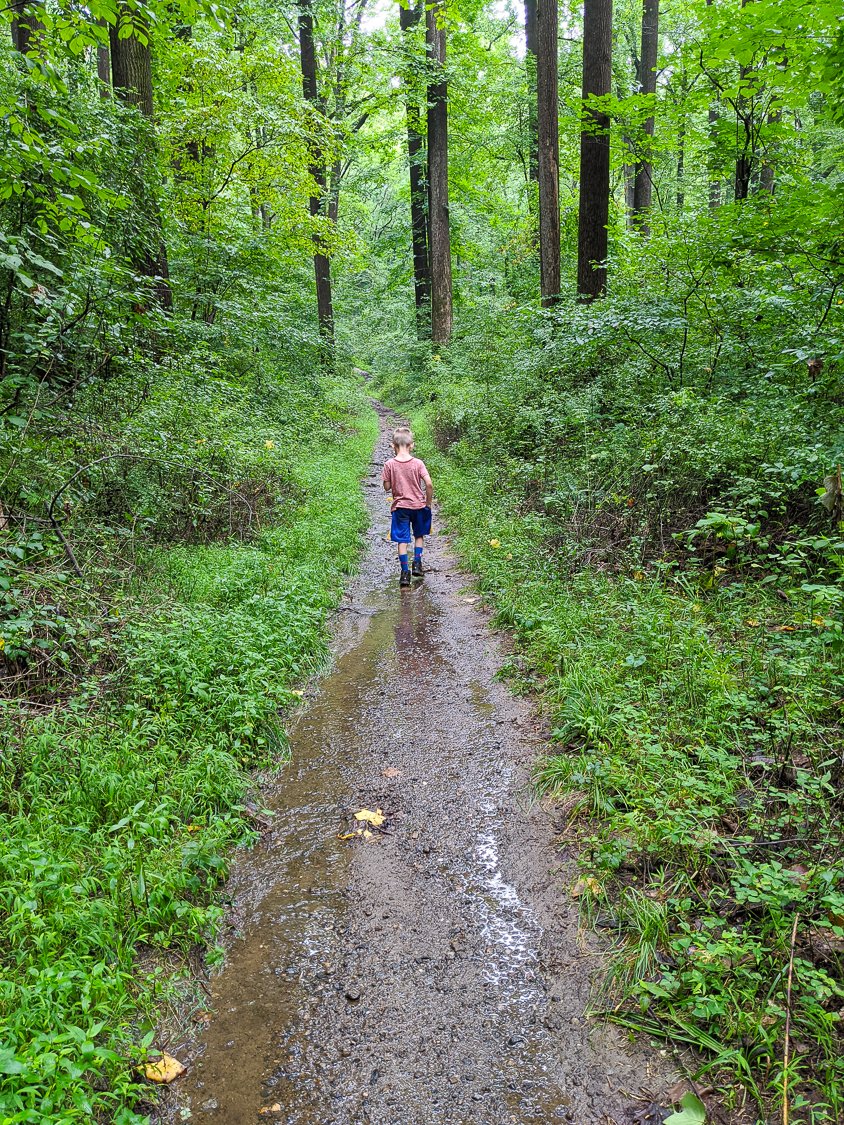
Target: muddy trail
(434,972)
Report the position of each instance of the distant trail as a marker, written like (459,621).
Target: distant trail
(434,973)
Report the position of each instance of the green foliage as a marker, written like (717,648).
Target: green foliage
(658,547)
(119,807)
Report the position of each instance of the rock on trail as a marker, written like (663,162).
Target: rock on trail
(433,972)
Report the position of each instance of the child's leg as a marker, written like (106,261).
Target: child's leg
(403,555)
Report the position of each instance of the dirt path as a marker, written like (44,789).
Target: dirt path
(434,973)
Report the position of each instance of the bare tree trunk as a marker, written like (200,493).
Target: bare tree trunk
(548,137)
(409,19)
(642,192)
(594,152)
(714,178)
(531,51)
(766,174)
(131,63)
(26,25)
(104,65)
(681,165)
(322,264)
(745,112)
(442,315)
(131,74)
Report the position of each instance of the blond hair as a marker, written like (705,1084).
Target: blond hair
(402,438)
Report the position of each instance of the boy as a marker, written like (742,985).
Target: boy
(413,493)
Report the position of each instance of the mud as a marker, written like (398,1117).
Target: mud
(436,971)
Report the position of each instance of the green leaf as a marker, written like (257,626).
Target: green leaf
(692,1113)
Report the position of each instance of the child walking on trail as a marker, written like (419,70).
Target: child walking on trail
(413,493)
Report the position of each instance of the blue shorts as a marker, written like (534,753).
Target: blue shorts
(419,519)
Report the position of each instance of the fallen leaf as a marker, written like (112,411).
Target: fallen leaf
(298,692)
(495,542)
(583,885)
(195,827)
(376,819)
(164,1069)
(367,835)
(346,835)
(391,771)
(692,1113)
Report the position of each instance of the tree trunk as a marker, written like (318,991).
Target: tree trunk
(766,174)
(322,264)
(531,51)
(438,217)
(744,124)
(104,64)
(131,62)
(681,166)
(26,25)
(548,137)
(642,191)
(409,19)
(594,152)
(131,74)
(714,180)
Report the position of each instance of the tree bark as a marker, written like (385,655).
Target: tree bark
(642,191)
(442,316)
(131,74)
(681,166)
(548,138)
(409,18)
(26,25)
(594,152)
(322,264)
(131,61)
(531,51)
(104,62)
(766,174)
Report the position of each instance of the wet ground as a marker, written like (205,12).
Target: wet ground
(433,972)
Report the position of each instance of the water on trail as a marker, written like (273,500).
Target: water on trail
(435,972)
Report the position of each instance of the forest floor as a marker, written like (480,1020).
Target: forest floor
(436,971)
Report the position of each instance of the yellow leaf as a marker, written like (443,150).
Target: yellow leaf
(297,692)
(367,835)
(638,575)
(586,884)
(376,819)
(346,835)
(751,622)
(819,621)
(195,827)
(164,1069)
(268,444)
(2,643)
(495,542)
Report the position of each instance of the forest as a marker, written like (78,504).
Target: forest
(594,252)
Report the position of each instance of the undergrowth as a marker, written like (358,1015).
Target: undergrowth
(675,595)
(124,784)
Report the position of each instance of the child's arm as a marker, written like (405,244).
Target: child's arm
(429,488)
(386,479)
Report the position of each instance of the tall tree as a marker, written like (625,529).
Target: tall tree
(643,184)
(409,18)
(548,137)
(531,48)
(322,264)
(594,206)
(131,74)
(442,316)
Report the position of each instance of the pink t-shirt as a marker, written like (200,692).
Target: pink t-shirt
(406,481)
